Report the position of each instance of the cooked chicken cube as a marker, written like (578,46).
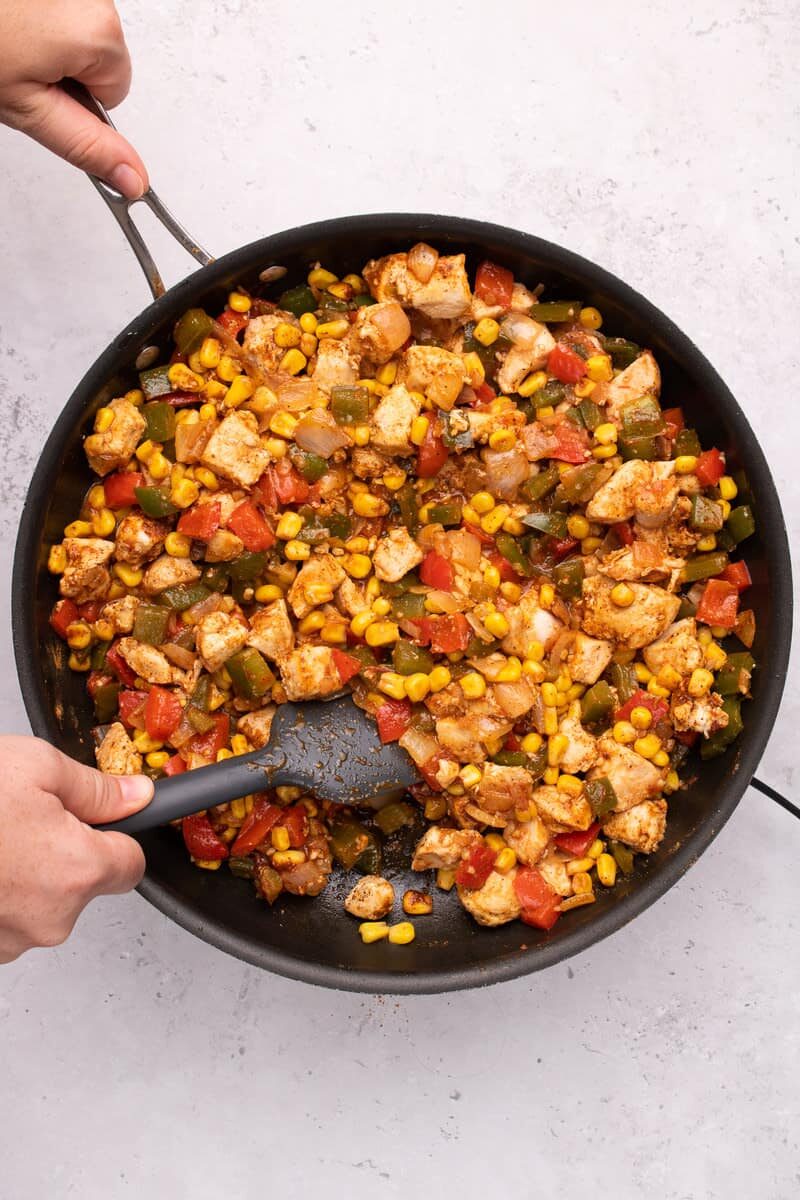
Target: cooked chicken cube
(314,584)
(336,365)
(223,546)
(495,903)
(149,662)
(646,560)
(310,672)
(552,866)
(395,555)
(235,450)
(585,658)
(271,630)
(482,423)
(256,725)
(560,811)
(138,539)
(703,714)
(446,294)
(218,635)
(259,338)
(380,330)
(645,490)
(367,463)
(390,424)
(641,378)
(436,372)
(582,747)
(528,622)
(166,572)
(467,737)
(121,613)
(529,350)
(641,827)
(351,598)
(371,898)
(116,754)
(86,577)
(652,610)
(443,848)
(504,788)
(632,777)
(111,449)
(528,839)
(677,647)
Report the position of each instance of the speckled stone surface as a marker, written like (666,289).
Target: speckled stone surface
(662,141)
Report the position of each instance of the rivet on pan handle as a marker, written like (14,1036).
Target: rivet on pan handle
(120,205)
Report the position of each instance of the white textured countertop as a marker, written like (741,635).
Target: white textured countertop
(662,143)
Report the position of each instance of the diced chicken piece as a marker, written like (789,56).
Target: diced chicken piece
(552,866)
(680,537)
(259,338)
(645,490)
(521,302)
(380,330)
(351,598)
(116,754)
(449,702)
(585,658)
(444,848)
(582,749)
(505,788)
(367,463)
(138,539)
(703,714)
(632,777)
(466,737)
(641,378)
(310,672)
(436,372)
(648,561)
(527,623)
(256,725)
(677,647)
(223,546)
(526,354)
(395,555)
(271,630)
(482,423)
(560,811)
(528,839)
(86,576)
(652,610)
(641,827)
(218,635)
(235,451)
(121,613)
(371,899)
(391,421)
(512,700)
(336,365)
(495,903)
(445,295)
(166,572)
(111,449)
(149,662)
(314,584)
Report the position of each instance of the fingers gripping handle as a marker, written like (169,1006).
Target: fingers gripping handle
(120,205)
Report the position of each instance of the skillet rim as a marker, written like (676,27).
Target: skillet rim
(771,526)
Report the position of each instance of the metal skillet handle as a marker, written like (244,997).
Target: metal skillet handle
(120,205)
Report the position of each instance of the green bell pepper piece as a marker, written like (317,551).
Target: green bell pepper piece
(734,677)
(154,503)
(242,868)
(541,484)
(348,841)
(471,345)
(298,300)
(150,623)
(183,596)
(623,680)
(215,577)
(394,816)
(160,418)
(580,483)
(105,702)
(706,515)
(514,553)
(248,565)
(456,432)
(643,448)
(201,696)
(409,659)
(200,721)
(311,466)
(597,703)
(362,300)
(555,311)
(568,578)
(622,351)
(250,674)
(553,524)
(364,655)
(448,513)
(687,609)
(550,395)
(406,499)
(535,763)
(623,856)
(155,382)
(601,796)
(350,405)
(686,442)
(409,606)
(99,653)
(192,329)
(591,414)
(642,418)
(741,523)
(704,566)
(719,741)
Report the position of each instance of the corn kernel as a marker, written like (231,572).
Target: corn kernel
(642,673)
(550,776)
(130,576)
(381,606)
(360,621)
(57,560)
(655,689)
(532,743)
(159,465)
(709,542)
(532,384)
(604,452)
(293,362)
(715,656)
(116,590)
(392,684)
(312,623)
(382,633)
(333,329)
(241,389)
(288,858)
(727,488)
(641,717)
(103,420)
(387,374)
(289,526)
(178,545)
(550,723)
(157,759)
(279,836)
(577,526)
(556,749)
(599,369)
(367,505)
(183,378)
(394,480)
(491,577)
(549,695)
(210,353)
(439,678)
(624,733)
(668,677)
(486,331)
(419,428)
(685,464)
(97,496)
(79,635)
(308,323)
(582,883)
(503,439)
(496,624)
(647,746)
(672,782)
(145,744)
(660,759)
(184,493)
(267,593)
(505,861)
(208,412)
(78,662)
(596,849)
(473,685)
(607,870)
(547,595)
(417,904)
(322,279)
(584,388)
(546,411)
(622,595)
(510,591)
(402,933)
(334,633)
(492,522)
(482,502)
(575,865)
(103,523)
(590,318)
(570,785)
(286,336)
(283,423)
(417,686)
(606,434)
(373,588)
(239,302)
(297,551)
(511,672)
(700,682)
(476,372)
(357,565)
(471,776)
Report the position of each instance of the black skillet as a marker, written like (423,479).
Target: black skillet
(316,941)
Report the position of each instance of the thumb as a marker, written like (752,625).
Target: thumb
(97,798)
(64,126)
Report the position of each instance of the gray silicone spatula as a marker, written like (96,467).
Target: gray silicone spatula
(330,748)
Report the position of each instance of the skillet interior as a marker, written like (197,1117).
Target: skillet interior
(315,941)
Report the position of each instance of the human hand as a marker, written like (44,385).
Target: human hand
(51,863)
(45,41)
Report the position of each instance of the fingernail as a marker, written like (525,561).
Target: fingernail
(136,789)
(127,181)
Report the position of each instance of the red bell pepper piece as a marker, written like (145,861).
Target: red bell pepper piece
(577,844)
(561,547)
(566,365)
(476,867)
(673,418)
(624,532)
(485,539)
(256,825)
(719,604)
(178,399)
(345,664)
(393,718)
(710,468)
(654,704)
(201,840)
(63,614)
(264,491)
(512,743)
(444,635)
(95,681)
(120,489)
(290,487)
(540,903)
(116,662)
(91,610)
(494,284)
(572,442)
(201,521)
(437,571)
(295,821)
(738,574)
(174,765)
(232,322)
(507,572)
(131,708)
(429,768)
(484,393)
(162,713)
(433,453)
(208,745)
(248,524)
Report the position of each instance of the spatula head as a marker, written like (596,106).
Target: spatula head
(332,748)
